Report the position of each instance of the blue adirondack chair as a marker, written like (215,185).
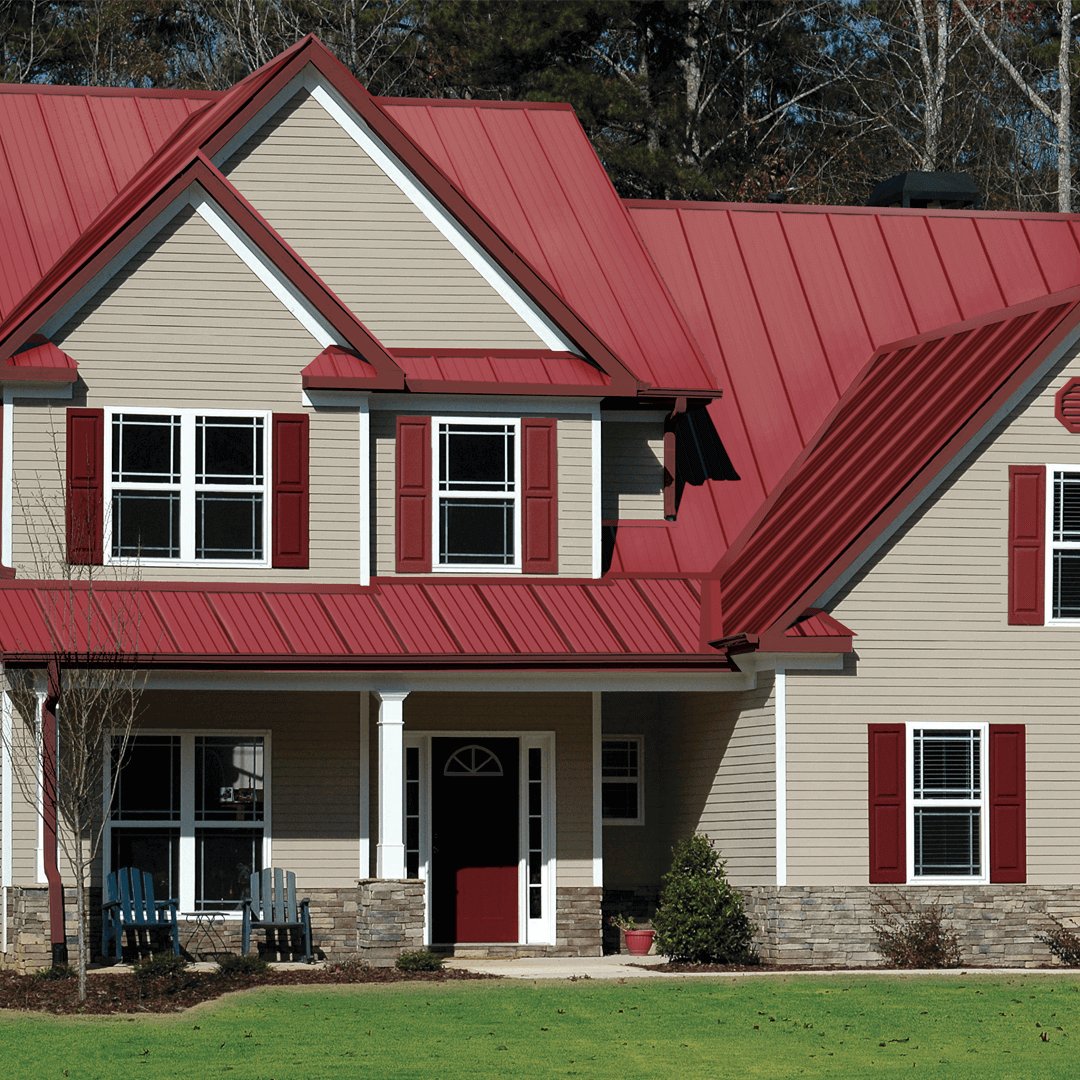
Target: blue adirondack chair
(129,903)
(273,906)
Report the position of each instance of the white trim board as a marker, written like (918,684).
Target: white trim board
(351,123)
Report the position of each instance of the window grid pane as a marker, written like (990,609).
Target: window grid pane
(946,764)
(228,778)
(619,790)
(947,792)
(536,833)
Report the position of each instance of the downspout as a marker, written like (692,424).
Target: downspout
(49,780)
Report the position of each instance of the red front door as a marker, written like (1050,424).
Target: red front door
(474,823)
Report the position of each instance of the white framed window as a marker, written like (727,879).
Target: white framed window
(622,780)
(476,504)
(948,834)
(1063,548)
(193,810)
(187,486)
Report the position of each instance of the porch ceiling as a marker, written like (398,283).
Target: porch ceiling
(401,624)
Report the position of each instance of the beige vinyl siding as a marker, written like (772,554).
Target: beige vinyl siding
(574,453)
(569,716)
(314,770)
(574,440)
(25,820)
(934,644)
(366,239)
(187,325)
(722,772)
(633,470)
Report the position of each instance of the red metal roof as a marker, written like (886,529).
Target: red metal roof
(502,372)
(788,304)
(338,369)
(392,625)
(66,154)
(532,172)
(40,361)
(914,407)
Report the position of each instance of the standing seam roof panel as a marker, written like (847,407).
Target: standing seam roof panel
(360,623)
(1058,261)
(976,287)
(470,622)
(924,282)
(305,623)
(245,618)
(669,356)
(578,620)
(120,128)
(1015,265)
(524,619)
(410,612)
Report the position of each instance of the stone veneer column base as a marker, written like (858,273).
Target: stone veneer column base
(28,946)
(389,919)
(997,925)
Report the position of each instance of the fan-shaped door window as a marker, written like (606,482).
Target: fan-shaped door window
(473,760)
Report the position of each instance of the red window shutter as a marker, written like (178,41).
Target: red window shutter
(1027,528)
(85,505)
(291,500)
(888,804)
(1008,817)
(539,494)
(413,494)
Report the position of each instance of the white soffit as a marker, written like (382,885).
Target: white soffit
(353,126)
(237,241)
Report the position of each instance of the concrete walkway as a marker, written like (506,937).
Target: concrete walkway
(637,967)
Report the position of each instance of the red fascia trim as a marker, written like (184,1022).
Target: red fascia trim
(499,354)
(807,208)
(599,662)
(948,452)
(473,103)
(312,51)
(439,386)
(336,382)
(10,373)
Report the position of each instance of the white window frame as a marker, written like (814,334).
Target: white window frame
(187,824)
(187,488)
(437,565)
(983,802)
(540,931)
(640,779)
(1051,546)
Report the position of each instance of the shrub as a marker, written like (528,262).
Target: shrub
(234,964)
(163,966)
(1062,941)
(421,960)
(701,917)
(911,937)
(57,971)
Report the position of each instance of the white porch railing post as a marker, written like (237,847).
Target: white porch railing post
(390,852)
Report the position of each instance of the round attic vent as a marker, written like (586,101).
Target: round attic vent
(1067,405)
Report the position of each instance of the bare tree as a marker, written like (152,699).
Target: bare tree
(78,721)
(1059,118)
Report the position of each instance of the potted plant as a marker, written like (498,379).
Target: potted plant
(639,939)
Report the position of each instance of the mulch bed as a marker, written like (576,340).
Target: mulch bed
(127,993)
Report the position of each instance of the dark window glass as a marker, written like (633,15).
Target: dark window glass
(146,524)
(476,458)
(146,449)
(156,851)
(947,842)
(619,800)
(472,531)
(225,859)
(228,779)
(228,526)
(148,788)
(1066,507)
(947,764)
(1066,584)
(229,450)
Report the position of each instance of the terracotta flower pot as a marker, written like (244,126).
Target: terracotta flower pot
(639,942)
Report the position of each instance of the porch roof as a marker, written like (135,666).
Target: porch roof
(399,625)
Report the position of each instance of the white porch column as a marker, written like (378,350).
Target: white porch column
(390,852)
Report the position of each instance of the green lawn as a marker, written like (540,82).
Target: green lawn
(874,1026)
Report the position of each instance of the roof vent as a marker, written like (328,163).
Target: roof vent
(927,191)
(1067,405)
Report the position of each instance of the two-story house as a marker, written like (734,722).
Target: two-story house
(479,533)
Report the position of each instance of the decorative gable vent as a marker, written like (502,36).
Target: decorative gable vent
(1067,405)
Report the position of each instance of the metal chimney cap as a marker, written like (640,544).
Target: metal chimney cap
(944,190)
